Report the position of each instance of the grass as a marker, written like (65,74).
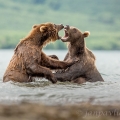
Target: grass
(101,18)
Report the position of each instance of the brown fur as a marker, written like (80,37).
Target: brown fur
(83,70)
(30,61)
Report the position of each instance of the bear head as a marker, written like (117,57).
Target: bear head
(48,31)
(72,34)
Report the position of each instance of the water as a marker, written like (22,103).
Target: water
(107,62)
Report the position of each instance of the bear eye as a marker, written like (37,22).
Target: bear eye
(74,30)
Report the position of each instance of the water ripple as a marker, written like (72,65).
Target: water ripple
(66,92)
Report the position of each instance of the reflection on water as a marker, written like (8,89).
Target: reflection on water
(61,93)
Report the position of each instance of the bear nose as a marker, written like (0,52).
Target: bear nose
(62,25)
(66,27)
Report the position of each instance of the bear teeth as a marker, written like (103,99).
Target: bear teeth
(66,33)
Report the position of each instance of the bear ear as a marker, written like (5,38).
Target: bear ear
(86,33)
(34,26)
(43,28)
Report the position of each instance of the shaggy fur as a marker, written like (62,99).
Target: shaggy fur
(30,61)
(83,70)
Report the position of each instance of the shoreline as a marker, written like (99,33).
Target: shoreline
(38,111)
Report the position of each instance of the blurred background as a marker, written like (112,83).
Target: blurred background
(100,17)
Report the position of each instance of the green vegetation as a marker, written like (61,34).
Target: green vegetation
(101,18)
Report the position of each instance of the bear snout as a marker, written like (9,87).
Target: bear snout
(61,26)
(67,27)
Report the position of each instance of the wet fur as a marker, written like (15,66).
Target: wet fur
(83,70)
(30,61)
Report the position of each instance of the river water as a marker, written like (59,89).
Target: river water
(108,92)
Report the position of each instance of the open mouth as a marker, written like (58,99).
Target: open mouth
(66,36)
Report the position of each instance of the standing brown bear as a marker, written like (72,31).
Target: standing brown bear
(30,61)
(83,70)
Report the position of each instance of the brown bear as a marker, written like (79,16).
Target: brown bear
(83,70)
(30,61)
